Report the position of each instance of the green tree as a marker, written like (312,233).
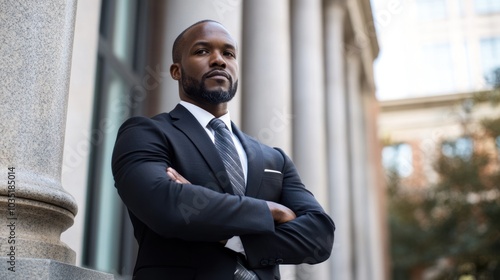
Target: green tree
(456,220)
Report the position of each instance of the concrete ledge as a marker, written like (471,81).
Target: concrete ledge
(45,269)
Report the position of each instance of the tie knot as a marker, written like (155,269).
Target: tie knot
(216,124)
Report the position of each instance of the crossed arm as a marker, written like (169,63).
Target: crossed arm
(281,214)
(319,248)
(295,228)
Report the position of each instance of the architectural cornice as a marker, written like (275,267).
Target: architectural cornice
(365,40)
(426,101)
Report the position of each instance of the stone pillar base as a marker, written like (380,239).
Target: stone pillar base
(45,269)
(34,229)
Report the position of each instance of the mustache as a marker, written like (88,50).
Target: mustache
(217,72)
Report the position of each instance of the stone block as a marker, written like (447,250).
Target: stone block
(45,269)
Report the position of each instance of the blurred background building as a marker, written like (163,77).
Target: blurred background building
(435,55)
(436,77)
(307,85)
(433,47)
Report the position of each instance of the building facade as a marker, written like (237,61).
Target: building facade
(306,86)
(436,47)
(437,57)
(438,54)
(416,131)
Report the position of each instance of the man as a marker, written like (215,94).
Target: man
(202,206)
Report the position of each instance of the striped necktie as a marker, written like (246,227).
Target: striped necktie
(224,144)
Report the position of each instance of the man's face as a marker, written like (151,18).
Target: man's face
(209,69)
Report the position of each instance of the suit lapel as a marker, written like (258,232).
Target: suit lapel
(187,123)
(255,162)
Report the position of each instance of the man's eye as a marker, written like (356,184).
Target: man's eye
(231,54)
(202,51)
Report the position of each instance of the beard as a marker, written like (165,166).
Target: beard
(199,92)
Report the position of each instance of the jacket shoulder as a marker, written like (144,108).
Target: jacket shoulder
(141,121)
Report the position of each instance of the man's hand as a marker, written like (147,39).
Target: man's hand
(281,214)
(176,177)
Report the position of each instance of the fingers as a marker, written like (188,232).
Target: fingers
(176,177)
(172,175)
(281,214)
(287,215)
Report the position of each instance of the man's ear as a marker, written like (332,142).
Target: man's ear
(175,71)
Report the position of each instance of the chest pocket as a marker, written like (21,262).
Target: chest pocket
(271,185)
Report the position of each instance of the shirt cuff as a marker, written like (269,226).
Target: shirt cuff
(235,244)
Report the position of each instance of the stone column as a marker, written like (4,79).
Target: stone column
(376,191)
(37,39)
(340,197)
(309,135)
(266,76)
(266,90)
(362,232)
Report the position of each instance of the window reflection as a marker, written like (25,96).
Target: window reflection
(487,6)
(431,9)
(461,147)
(398,158)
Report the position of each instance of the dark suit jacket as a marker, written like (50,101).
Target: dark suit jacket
(179,226)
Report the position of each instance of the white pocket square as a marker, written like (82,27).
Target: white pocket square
(272,171)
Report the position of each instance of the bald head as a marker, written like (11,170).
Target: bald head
(180,40)
(205,65)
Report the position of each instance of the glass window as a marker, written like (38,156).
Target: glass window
(431,9)
(115,112)
(497,144)
(461,11)
(465,52)
(487,6)
(436,69)
(109,244)
(398,158)
(461,147)
(124,30)
(490,58)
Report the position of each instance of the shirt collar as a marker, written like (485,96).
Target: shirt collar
(204,117)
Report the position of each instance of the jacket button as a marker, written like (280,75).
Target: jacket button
(264,263)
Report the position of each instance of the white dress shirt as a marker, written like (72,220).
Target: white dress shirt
(204,117)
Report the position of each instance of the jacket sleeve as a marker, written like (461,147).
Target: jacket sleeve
(140,158)
(306,239)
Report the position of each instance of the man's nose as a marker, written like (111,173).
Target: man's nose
(217,59)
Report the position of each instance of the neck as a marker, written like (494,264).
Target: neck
(215,109)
